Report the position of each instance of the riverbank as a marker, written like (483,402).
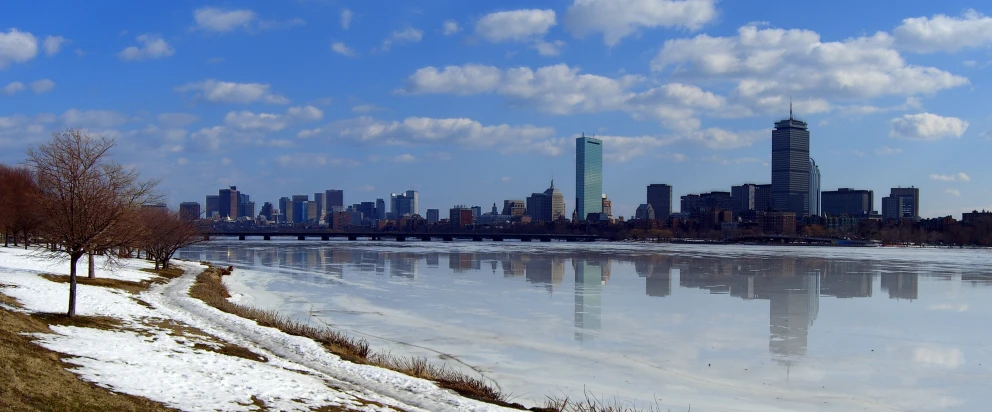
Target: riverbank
(136,327)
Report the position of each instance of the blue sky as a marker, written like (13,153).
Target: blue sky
(477,102)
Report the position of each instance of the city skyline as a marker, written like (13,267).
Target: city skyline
(471,103)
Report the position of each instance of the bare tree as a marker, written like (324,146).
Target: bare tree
(165,233)
(84,195)
(18,214)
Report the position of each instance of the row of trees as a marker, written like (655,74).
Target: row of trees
(73,197)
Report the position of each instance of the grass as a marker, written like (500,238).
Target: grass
(209,287)
(164,276)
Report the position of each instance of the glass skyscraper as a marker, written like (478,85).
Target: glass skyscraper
(814,188)
(588,176)
(791,167)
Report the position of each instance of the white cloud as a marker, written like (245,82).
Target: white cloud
(953,192)
(42,86)
(312,160)
(408,35)
(177,119)
(460,131)
(230,92)
(450,27)
(934,356)
(342,49)
(367,188)
(767,65)
(220,20)
(553,48)
(151,46)
(92,118)
(716,138)
(617,19)
(404,158)
(927,126)
(942,33)
(270,122)
(367,108)
(346,16)
(461,80)
(209,138)
(960,177)
(515,25)
(53,44)
(17,47)
(13,87)
(887,151)
(283,24)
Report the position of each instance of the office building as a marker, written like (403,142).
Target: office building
(846,201)
(321,199)
(298,207)
(660,199)
(433,216)
(706,202)
(247,209)
(334,198)
(286,208)
(228,202)
(902,203)
(268,211)
(763,197)
(476,212)
(547,206)
(975,217)
(744,197)
(404,204)
(607,208)
(644,212)
(367,209)
(213,206)
(791,166)
(380,209)
(814,188)
(189,210)
(460,216)
(588,176)
(514,207)
(312,211)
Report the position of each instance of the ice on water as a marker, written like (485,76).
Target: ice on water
(741,327)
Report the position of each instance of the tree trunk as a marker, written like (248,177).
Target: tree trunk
(92,271)
(156,264)
(72,283)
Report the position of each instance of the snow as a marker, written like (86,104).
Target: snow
(145,359)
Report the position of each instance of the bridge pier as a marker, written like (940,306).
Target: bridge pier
(401,238)
(206,237)
(425,238)
(267,237)
(545,239)
(525,239)
(497,238)
(242,237)
(448,239)
(476,238)
(352,238)
(571,239)
(325,238)
(301,238)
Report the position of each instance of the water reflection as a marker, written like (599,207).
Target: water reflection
(792,286)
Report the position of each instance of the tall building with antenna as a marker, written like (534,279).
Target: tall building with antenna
(791,166)
(588,176)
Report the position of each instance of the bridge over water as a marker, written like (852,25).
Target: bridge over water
(402,237)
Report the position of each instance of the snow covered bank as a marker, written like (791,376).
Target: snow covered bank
(151,357)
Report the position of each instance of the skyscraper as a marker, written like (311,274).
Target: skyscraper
(334,198)
(189,210)
(227,203)
(846,201)
(547,206)
(902,203)
(790,166)
(414,201)
(380,209)
(588,176)
(660,199)
(814,188)
(212,206)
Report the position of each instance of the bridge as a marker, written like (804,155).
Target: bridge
(797,240)
(402,237)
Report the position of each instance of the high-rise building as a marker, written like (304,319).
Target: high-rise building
(368,210)
(433,216)
(814,188)
(645,212)
(588,176)
(476,212)
(380,209)
(790,166)
(514,207)
(712,201)
(404,203)
(213,206)
(607,208)
(460,216)
(228,202)
(547,206)
(286,207)
(321,199)
(902,203)
(247,209)
(845,201)
(334,198)
(299,208)
(660,199)
(414,201)
(312,211)
(267,211)
(189,210)
(744,198)
(762,197)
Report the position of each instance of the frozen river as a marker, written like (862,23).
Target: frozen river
(720,328)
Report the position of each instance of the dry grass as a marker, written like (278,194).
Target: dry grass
(35,379)
(210,288)
(591,403)
(164,276)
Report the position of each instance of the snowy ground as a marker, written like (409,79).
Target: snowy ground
(148,358)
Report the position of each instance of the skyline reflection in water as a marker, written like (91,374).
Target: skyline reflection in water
(455,286)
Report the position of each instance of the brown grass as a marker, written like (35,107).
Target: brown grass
(33,378)
(164,276)
(210,288)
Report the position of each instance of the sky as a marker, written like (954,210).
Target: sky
(476,102)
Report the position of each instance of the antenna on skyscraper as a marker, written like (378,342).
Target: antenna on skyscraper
(790,107)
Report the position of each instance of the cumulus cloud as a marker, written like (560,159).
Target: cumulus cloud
(229,92)
(367,188)
(460,131)
(346,16)
(151,46)
(767,65)
(17,47)
(220,20)
(887,151)
(92,118)
(312,160)
(404,158)
(617,19)
(552,48)
(272,122)
(177,119)
(405,36)
(42,86)
(342,49)
(953,192)
(13,88)
(450,27)
(53,44)
(949,358)
(960,177)
(515,25)
(942,33)
(367,108)
(462,80)
(927,126)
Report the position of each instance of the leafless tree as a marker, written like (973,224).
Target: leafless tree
(18,214)
(165,233)
(84,196)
